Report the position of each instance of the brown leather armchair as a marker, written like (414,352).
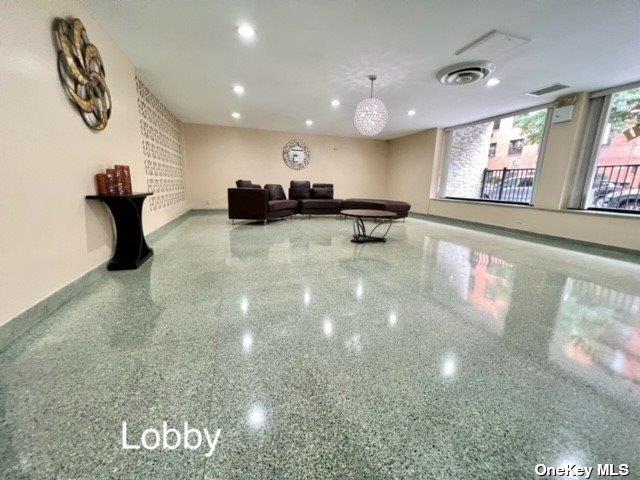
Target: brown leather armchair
(248,203)
(251,202)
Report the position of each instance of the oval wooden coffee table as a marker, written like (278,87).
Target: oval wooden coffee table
(360,234)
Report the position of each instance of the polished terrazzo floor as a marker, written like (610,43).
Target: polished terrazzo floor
(444,353)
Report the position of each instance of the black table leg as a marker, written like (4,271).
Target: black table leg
(360,234)
(131,247)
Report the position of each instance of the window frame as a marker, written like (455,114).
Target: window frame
(512,143)
(596,123)
(493,150)
(444,164)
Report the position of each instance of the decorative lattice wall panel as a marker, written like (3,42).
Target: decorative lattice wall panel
(162,150)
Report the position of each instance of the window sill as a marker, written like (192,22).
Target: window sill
(482,202)
(602,213)
(575,211)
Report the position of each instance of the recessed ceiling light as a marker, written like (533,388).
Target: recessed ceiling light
(246,31)
(492,82)
(309,123)
(235,115)
(335,102)
(411,113)
(238,89)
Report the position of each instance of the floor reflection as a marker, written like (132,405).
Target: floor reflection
(479,279)
(590,330)
(490,285)
(597,337)
(135,325)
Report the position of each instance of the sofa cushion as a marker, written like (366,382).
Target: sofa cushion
(322,190)
(254,185)
(283,205)
(377,204)
(299,189)
(396,206)
(362,203)
(276,192)
(244,184)
(321,203)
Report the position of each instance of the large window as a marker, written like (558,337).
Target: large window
(612,179)
(494,160)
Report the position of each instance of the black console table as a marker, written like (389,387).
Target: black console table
(131,247)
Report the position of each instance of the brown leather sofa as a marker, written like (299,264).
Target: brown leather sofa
(246,184)
(316,200)
(278,204)
(401,209)
(299,190)
(250,202)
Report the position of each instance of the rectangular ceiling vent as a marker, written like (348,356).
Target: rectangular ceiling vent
(548,89)
(492,44)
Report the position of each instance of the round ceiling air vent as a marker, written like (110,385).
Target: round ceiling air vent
(465,73)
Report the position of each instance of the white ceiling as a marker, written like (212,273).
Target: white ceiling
(309,52)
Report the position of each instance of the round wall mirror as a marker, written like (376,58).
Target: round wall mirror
(296,155)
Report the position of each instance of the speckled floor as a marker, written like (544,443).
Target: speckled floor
(444,353)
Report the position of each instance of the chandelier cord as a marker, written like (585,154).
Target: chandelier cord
(372,88)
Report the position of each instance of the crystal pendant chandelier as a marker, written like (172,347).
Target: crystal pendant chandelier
(371,114)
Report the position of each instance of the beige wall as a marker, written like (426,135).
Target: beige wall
(597,228)
(419,155)
(409,174)
(218,156)
(558,166)
(50,235)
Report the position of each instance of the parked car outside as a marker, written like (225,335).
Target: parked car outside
(515,189)
(629,200)
(600,190)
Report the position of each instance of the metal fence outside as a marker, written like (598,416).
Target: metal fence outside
(616,187)
(513,185)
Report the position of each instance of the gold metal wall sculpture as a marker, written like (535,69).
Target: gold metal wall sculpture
(82,73)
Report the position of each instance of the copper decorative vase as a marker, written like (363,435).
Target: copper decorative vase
(112,187)
(120,180)
(101,184)
(123,174)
